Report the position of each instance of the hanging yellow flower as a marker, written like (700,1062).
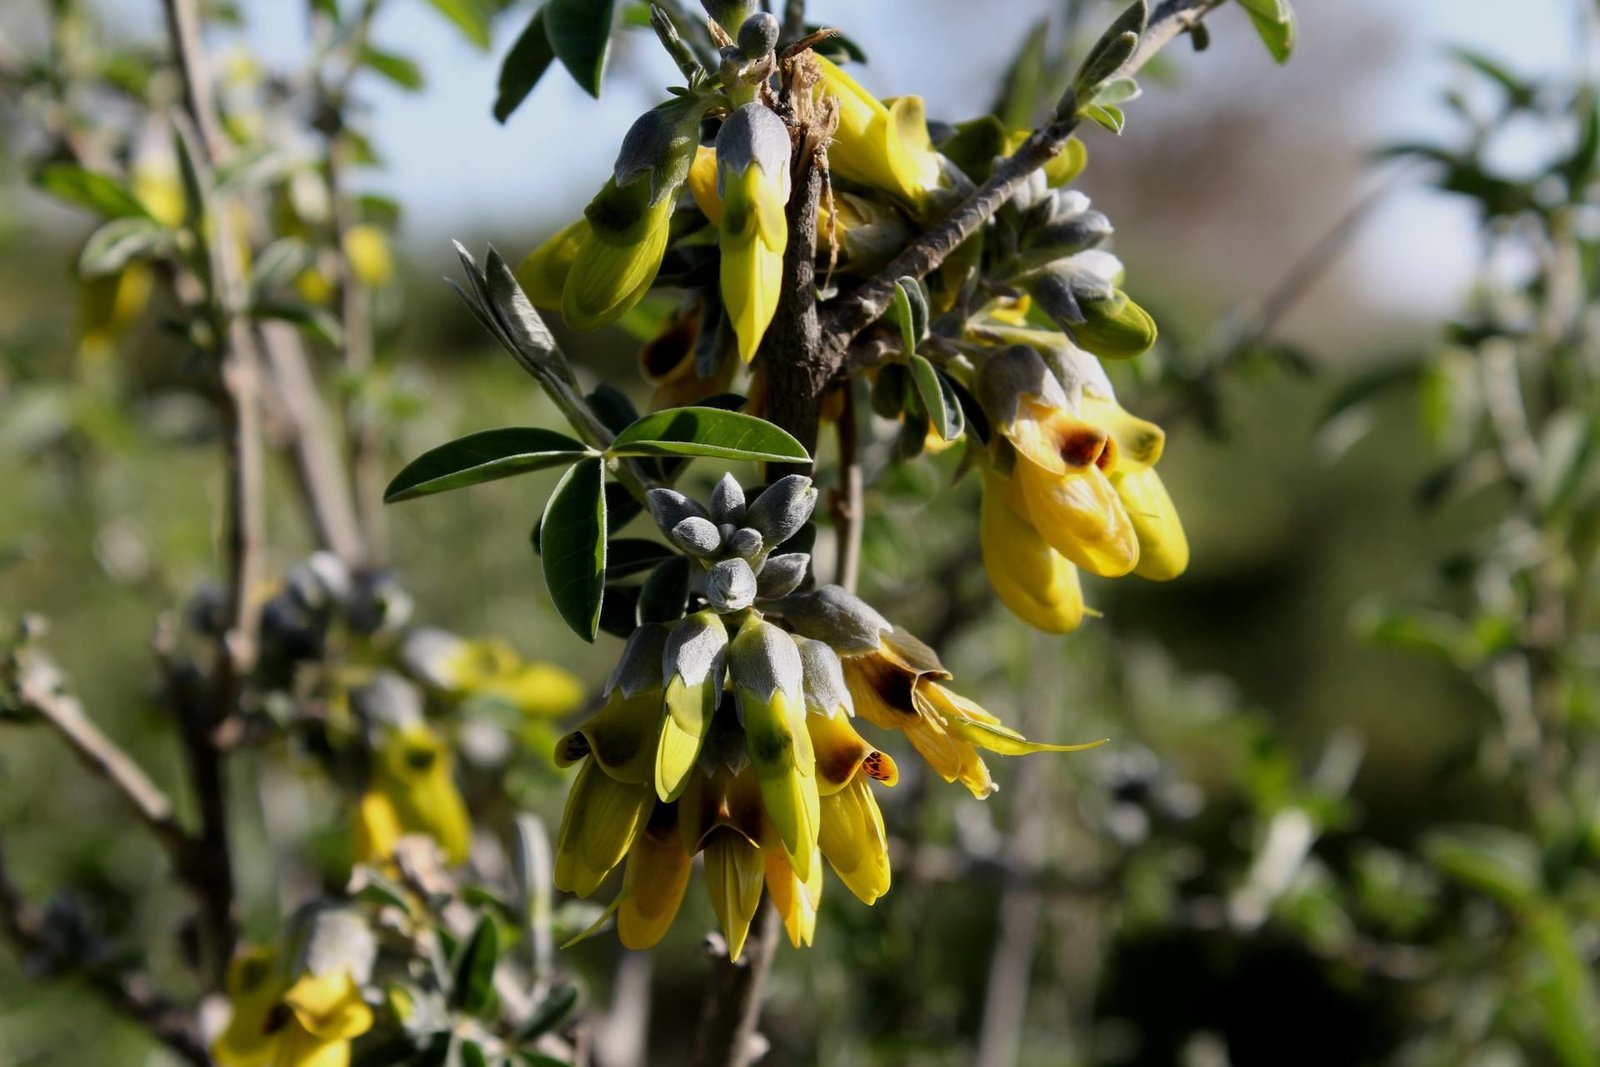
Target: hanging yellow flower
(753,186)
(304,1020)
(412,791)
(883,146)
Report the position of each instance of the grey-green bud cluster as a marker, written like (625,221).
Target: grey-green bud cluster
(733,541)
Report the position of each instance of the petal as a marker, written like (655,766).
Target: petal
(753,238)
(689,713)
(654,882)
(624,734)
(376,829)
(840,751)
(602,816)
(780,751)
(1163,546)
(734,873)
(966,719)
(615,265)
(329,1006)
(1138,443)
(297,1048)
(796,901)
(543,274)
(703,184)
(854,842)
(1078,514)
(1035,581)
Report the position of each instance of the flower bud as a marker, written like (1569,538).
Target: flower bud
(697,537)
(1115,329)
(730,585)
(727,500)
(670,507)
(782,575)
(782,508)
(758,35)
(745,543)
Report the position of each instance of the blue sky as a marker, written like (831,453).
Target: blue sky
(459,172)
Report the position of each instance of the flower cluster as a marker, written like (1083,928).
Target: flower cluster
(729,732)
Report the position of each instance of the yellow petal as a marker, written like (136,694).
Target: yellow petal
(703,184)
(653,884)
(796,901)
(690,709)
(329,1006)
(598,825)
(753,238)
(734,872)
(969,721)
(416,774)
(618,258)
(1069,499)
(543,274)
(253,989)
(1163,546)
(1035,581)
(854,842)
(624,733)
(1136,443)
(376,829)
(780,751)
(366,248)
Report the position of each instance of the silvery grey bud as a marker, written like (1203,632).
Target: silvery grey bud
(661,143)
(670,507)
(322,581)
(1065,237)
(1065,285)
(758,35)
(730,585)
(388,699)
(727,501)
(836,617)
(744,543)
(639,666)
(1009,375)
(763,660)
(826,692)
(779,512)
(697,536)
(336,940)
(696,649)
(730,14)
(782,575)
(753,136)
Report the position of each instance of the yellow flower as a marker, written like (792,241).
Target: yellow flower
(1066,494)
(617,256)
(1163,547)
(1036,582)
(306,1020)
(852,836)
(490,669)
(412,792)
(886,147)
(896,681)
(654,881)
(753,184)
(543,274)
(366,248)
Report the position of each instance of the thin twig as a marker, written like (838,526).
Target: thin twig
(38,691)
(240,364)
(131,993)
(854,312)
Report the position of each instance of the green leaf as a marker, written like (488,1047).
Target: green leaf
(703,431)
(1108,115)
(472,1055)
(279,263)
(100,193)
(1114,48)
(1490,859)
(524,65)
(938,399)
(530,340)
(1275,24)
(1117,91)
(472,990)
(120,241)
(580,34)
(471,17)
(318,322)
(401,70)
(556,1006)
(483,457)
(572,541)
(664,597)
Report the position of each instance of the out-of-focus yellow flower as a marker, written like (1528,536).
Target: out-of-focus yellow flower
(753,184)
(883,146)
(490,669)
(412,792)
(366,249)
(109,306)
(1036,582)
(543,274)
(278,1020)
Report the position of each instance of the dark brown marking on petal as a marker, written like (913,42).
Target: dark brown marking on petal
(877,766)
(1080,447)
